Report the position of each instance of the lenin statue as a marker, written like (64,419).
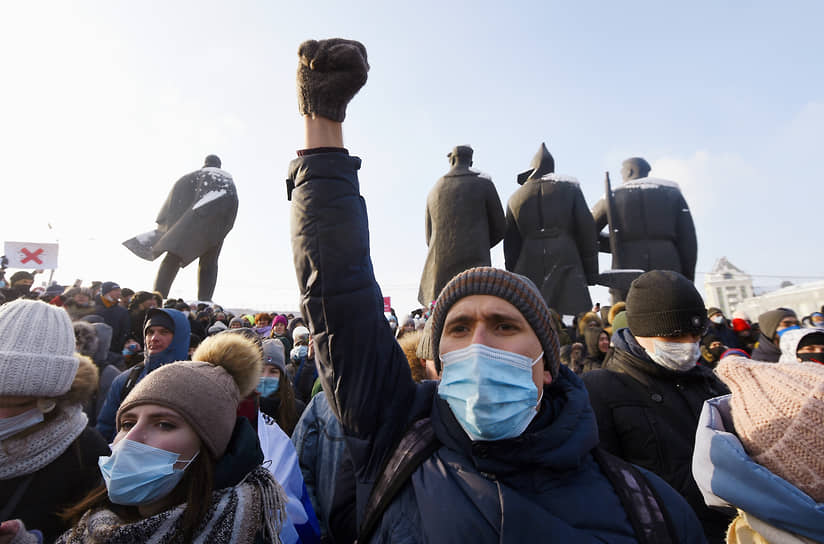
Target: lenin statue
(464,220)
(550,236)
(197,215)
(650,224)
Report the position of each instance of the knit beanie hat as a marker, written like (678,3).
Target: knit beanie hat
(239,320)
(768,321)
(664,303)
(300,334)
(219,326)
(205,392)
(274,354)
(778,410)
(513,288)
(739,325)
(36,349)
(156,317)
(811,339)
(108,286)
(280,319)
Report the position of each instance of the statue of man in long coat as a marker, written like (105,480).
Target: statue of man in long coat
(550,236)
(464,220)
(651,226)
(197,215)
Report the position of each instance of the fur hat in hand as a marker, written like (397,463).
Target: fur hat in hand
(777,411)
(36,349)
(206,391)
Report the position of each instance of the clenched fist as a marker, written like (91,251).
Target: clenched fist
(330,73)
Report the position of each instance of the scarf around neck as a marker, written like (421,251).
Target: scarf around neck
(28,452)
(235,515)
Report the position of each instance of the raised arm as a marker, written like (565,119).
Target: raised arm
(362,368)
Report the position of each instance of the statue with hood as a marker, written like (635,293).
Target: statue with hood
(650,224)
(464,220)
(197,215)
(550,236)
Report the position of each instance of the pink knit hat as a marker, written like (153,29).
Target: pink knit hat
(778,413)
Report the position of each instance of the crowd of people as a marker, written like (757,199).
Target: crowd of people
(125,417)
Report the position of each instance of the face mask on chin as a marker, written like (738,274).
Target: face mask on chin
(674,355)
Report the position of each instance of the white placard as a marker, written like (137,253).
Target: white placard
(31,255)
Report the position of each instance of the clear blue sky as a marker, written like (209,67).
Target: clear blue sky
(105,104)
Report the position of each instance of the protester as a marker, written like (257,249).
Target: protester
(279,325)
(711,350)
(19,286)
(490,471)
(48,453)
(78,303)
(107,306)
(596,341)
(802,346)
(759,451)
(277,396)
(167,339)
(183,467)
(719,327)
(649,393)
(772,325)
(744,333)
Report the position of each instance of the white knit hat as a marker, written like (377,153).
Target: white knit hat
(36,349)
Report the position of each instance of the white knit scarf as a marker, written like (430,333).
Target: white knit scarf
(28,452)
(236,515)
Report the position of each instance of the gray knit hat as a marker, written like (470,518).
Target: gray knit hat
(36,349)
(513,288)
(274,354)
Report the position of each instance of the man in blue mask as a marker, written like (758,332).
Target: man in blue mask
(772,325)
(648,395)
(509,438)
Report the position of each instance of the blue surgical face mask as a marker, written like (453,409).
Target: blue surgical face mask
(10,426)
(136,473)
(490,391)
(268,385)
(788,329)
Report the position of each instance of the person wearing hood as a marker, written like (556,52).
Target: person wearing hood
(649,393)
(550,236)
(719,326)
(772,325)
(503,448)
(596,341)
(802,346)
(166,333)
(78,303)
(711,349)
(48,452)
(19,286)
(759,450)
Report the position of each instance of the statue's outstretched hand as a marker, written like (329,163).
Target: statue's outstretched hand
(330,73)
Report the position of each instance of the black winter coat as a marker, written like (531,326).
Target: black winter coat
(766,351)
(550,238)
(58,485)
(648,415)
(117,317)
(655,227)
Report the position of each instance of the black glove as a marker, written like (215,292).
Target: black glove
(330,73)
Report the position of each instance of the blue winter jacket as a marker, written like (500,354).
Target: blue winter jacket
(178,350)
(543,486)
(727,476)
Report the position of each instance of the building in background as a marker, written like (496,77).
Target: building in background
(727,286)
(804,299)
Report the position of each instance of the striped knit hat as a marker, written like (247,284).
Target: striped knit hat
(513,288)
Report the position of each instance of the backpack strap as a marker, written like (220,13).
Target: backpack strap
(639,499)
(131,381)
(418,444)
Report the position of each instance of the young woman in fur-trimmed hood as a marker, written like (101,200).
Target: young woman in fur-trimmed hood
(48,454)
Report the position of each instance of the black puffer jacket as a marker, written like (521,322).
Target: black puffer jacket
(648,415)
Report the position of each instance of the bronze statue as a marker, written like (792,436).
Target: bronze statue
(197,215)
(650,224)
(550,236)
(464,220)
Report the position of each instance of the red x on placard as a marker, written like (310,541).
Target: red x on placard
(32,256)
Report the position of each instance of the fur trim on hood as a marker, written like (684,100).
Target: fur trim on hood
(409,345)
(589,317)
(85,382)
(613,311)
